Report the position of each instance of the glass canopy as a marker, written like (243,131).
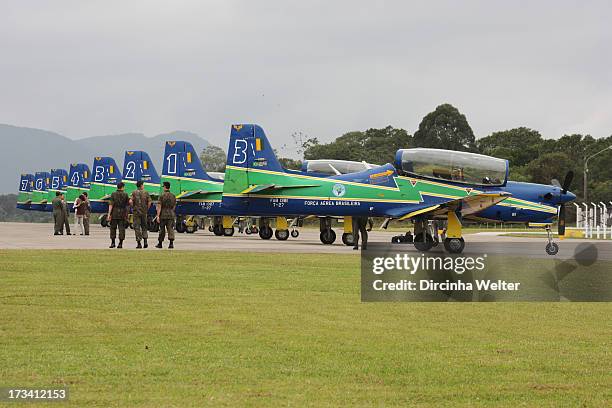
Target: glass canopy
(449,165)
(335,167)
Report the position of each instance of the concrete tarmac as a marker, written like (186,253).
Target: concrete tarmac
(40,236)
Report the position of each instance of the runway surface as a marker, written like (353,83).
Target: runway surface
(40,236)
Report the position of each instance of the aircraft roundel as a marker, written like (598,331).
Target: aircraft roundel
(339,190)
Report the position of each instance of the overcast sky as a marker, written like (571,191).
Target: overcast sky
(84,68)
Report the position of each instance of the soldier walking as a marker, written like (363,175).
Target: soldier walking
(140,202)
(360,226)
(117,213)
(166,216)
(58,214)
(87,213)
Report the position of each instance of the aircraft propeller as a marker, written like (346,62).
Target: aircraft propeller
(564,189)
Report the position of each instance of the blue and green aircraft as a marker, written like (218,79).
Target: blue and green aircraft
(422,185)
(24,197)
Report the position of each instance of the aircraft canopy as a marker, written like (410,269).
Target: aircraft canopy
(449,165)
(335,167)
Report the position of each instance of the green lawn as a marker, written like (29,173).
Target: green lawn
(216,328)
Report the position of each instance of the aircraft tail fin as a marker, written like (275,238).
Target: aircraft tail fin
(181,160)
(249,148)
(26,182)
(105,171)
(137,165)
(59,179)
(79,175)
(41,180)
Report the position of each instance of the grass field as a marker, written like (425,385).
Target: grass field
(181,329)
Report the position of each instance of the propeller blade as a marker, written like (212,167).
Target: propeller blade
(561,221)
(568,181)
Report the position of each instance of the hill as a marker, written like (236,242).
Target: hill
(27,150)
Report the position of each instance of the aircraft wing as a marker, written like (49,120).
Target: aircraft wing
(188,194)
(258,188)
(469,205)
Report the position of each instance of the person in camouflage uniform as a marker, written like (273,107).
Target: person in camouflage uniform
(118,213)
(65,214)
(87,213)
(140,202)
(58,214)
(166,216)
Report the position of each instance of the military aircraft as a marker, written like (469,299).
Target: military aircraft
(40,191)
(424,185)
(78,182)
(24,198)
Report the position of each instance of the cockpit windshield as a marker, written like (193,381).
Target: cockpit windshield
(335,167)
(449,165)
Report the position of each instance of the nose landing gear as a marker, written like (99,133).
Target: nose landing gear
(551,248)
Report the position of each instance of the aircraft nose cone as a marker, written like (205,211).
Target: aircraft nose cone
(568,196)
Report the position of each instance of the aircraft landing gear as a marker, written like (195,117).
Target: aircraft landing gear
(180,225)
(228,232)
(265,232)
(454,245)
(281,234)
(327,236)
(348,239)
(551,248)
(423,241)
(295,233)
(218,230)
(104,221)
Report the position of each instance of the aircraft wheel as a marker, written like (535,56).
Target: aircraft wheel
(248,231)
(218,230)
(423,242)
(191,229)
(180,227)
(552,248)
(104,221)
(347,239)
(265,232)
(211,228)
(454,245)
(327,236)
(228,232)
(281,235)
(295,233)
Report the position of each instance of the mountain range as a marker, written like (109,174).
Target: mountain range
(27,150)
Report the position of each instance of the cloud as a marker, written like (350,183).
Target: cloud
(103,67)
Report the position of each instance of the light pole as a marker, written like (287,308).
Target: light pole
(586,169)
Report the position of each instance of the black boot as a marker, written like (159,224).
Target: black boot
(120,244)
(56,233)
(159,245)
(112,245)
(171,244)
(138,246)
(146,245)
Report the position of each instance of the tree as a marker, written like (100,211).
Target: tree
(288,163)
(519,146)
(213,158)
(376,146)
(549,166)
(445,128)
